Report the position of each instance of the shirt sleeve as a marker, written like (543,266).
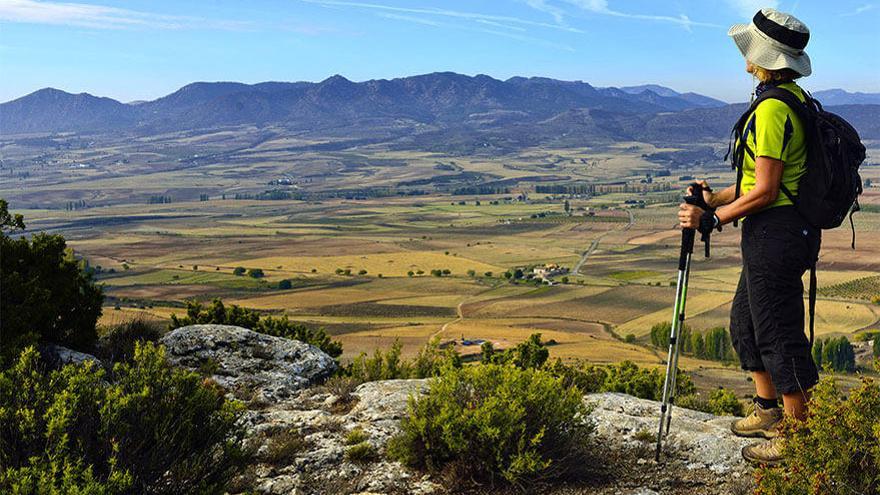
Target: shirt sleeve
(773,129)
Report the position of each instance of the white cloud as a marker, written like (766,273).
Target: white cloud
(601,7)
(471,16)
(478,29)
(102,17)
(542,6)
(747,8)
(864,8)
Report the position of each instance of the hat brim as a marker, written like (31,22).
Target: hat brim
(756,48)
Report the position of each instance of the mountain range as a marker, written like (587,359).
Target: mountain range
(448,104)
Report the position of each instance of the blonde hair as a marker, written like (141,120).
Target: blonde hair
(768,75)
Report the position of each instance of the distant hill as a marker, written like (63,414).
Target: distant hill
(433,110)
(841,97)
(695,99)
(53,110)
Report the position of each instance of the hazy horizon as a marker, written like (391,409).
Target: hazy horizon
(142,50)
(647,83)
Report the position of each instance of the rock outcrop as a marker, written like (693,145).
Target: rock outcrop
(302,434)
(698,439)
(321,466)
(251,365)
(58,356)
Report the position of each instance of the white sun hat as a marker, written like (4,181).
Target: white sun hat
(774,40)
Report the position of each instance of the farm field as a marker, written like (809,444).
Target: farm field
(412,268)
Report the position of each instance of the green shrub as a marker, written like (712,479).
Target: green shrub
(219,314)
(118,342)
(256,273)
(282,446)
(498,420)
(531,353)
(361,452)
(721,402)
(355,436)
(724,402)
(285,284)
(46,295)
(625,377)
(239,271)
(387,365)
(836,450)
(143,428)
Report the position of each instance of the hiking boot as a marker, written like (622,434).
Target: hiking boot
(761,422)
(767,452)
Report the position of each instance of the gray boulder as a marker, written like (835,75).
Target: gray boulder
(251,365)
(696,439)
(58,356)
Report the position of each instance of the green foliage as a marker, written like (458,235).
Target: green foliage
(721,402)
(239,271)
(356,436)
(498,420)
(285,284)
(143,428)
(361,452)
(45,296)
(531,353)
(625,377)
(835,353)
(219,314)
(724,402)
(836,450)
(387,365)
(256,273)
(630,338)
(877,346)
(712,344)
(119,341)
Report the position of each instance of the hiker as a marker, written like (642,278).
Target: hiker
(778,244)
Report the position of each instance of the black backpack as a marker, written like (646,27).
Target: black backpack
(831,185)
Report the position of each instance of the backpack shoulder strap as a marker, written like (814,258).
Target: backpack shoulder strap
(804,110)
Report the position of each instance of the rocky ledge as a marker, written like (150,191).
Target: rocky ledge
(287,402)
(251,365)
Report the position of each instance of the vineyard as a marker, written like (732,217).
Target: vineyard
(867,288)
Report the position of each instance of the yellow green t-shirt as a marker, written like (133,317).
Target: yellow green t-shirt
(775,131)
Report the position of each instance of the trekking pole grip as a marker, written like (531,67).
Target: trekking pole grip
(687,246)
(696,198)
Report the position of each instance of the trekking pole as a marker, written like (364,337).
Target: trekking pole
(684,267)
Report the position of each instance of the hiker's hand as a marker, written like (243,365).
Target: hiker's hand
(689,216)
(708,195)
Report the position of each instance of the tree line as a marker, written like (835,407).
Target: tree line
(713,344)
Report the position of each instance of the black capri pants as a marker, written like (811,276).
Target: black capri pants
(767,315)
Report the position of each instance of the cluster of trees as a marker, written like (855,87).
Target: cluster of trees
(837,353)
(713,344)
(45,296)
(159,199)
(75,205)
(471,190)
(564,189)
(253,272)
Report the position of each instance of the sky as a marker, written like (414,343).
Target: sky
(143,49)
